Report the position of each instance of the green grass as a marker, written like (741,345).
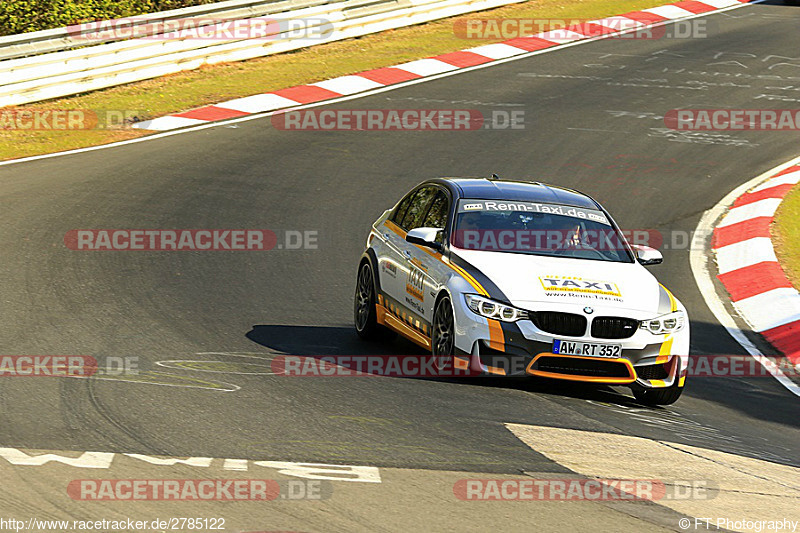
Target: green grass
(212,84)
(786,235)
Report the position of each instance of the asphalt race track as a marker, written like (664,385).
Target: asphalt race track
(592,122)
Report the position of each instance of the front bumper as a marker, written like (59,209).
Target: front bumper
(519,349)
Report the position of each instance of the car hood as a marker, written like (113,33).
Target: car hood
(526,279)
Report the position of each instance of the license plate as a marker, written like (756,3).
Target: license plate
(588,349)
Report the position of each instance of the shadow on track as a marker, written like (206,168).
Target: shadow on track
(760,397)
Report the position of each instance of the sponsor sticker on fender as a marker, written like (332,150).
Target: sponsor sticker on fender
(554,285)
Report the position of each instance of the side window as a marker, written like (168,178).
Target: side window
(437,214)
(417,208)
(397,218)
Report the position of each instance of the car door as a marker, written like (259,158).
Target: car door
(394,256)
(426,271)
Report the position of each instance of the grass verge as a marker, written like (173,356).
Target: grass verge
(786,235)
(213,84)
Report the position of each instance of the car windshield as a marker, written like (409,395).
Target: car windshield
(538,229)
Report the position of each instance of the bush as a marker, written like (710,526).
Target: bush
(20,16)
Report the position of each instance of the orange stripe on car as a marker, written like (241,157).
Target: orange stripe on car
(472,281)
(386,318)
(497,339)
(665,351)
(464,274)
(460,363)
(589,379)
(495,370)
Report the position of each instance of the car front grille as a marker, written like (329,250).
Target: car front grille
(582,367)
(612,327)
(560,323)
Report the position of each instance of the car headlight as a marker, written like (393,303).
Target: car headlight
(669,323)
(493,309)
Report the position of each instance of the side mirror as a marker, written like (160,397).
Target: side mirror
(424,237)
(647,256)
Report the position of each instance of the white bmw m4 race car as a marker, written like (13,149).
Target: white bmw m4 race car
(517,278)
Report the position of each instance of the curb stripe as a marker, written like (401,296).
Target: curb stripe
(306,94)
(529,44)
(754,279)
(645,17)
(620,22)
(771,309)
(749,269)
(722,3)
(778,191)
(786,338)
(211,112)
(426,67)
(347,85)
(695,7)
(389,75)
(561,36)
(463,59)
(745,253)
(761,208)
(742,231)
(790,175)
(670,12)
(258,103)
(498,50)
(590,29)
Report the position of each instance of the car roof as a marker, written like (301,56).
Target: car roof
(519,191)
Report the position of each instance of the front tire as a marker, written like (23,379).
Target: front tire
(665,396)
(443,335)
(365,314)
